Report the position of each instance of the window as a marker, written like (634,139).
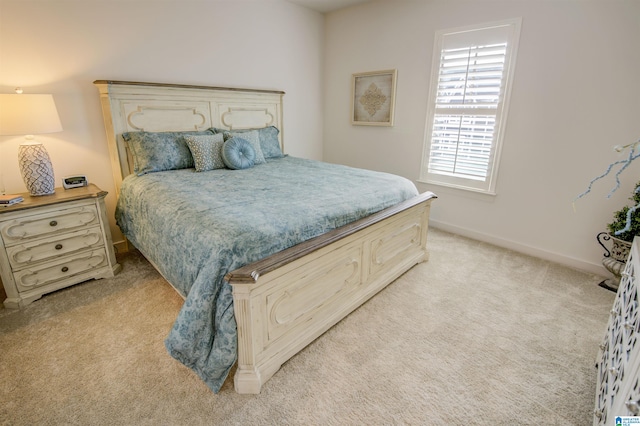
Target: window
(468,100)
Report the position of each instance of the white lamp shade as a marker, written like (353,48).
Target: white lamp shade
(30,115)
(22,114)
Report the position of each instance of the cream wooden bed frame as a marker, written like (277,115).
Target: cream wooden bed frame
(285,301)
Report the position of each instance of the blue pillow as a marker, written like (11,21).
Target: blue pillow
(269,143)
(237,154)
(253,138)
(159,151)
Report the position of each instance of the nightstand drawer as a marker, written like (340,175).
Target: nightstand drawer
(54,221)
(60,269)
(27,254)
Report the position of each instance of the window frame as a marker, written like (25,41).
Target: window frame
(488,186)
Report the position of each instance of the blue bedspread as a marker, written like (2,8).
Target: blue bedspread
(197,227)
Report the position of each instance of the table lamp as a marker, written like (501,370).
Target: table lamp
(31,115)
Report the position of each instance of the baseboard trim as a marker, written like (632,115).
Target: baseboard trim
(571,262)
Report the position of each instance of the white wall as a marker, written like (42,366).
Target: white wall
(576,94)
(61,47)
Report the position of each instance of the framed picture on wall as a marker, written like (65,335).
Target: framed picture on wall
(373,98)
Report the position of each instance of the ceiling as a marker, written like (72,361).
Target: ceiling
(325,6)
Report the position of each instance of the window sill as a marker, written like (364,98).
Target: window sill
(459,187)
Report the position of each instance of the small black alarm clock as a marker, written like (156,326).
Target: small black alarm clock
(74,181)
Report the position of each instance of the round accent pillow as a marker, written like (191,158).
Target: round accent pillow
(237,153)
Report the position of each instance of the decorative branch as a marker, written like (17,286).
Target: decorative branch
(634,153)
(630,212)
(619,148)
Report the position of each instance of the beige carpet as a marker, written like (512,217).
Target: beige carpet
(477,335)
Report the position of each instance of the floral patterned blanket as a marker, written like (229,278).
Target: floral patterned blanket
(197,227)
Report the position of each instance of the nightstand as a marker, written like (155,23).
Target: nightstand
(54,241)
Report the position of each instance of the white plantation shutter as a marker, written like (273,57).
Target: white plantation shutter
(469,88)
(461,145)
(469,84)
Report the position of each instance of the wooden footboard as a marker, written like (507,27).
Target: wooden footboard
(284,302)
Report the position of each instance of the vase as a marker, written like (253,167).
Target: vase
(615,258)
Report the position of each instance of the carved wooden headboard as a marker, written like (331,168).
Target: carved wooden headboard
(153,107)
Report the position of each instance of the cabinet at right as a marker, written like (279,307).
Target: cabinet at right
(618,361)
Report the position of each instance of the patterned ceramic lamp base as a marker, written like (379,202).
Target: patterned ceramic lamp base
(36,169)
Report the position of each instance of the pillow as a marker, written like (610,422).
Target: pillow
(269,142)
(158,151)
(237,153)
(206,151)
(253,138)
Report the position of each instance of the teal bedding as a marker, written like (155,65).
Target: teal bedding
(197,227)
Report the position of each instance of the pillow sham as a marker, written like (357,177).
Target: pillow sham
(206,151)
(238,154)
(253,138)
(269,143)
(159,151)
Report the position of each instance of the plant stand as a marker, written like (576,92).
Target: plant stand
(614,259)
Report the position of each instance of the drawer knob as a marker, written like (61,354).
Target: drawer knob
(64,269)
(598,413)
(53,223)
(613,371)
(633,407)
(58,247)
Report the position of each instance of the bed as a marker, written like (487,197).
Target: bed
(265,266)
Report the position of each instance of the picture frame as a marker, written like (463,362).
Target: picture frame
(373,98)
